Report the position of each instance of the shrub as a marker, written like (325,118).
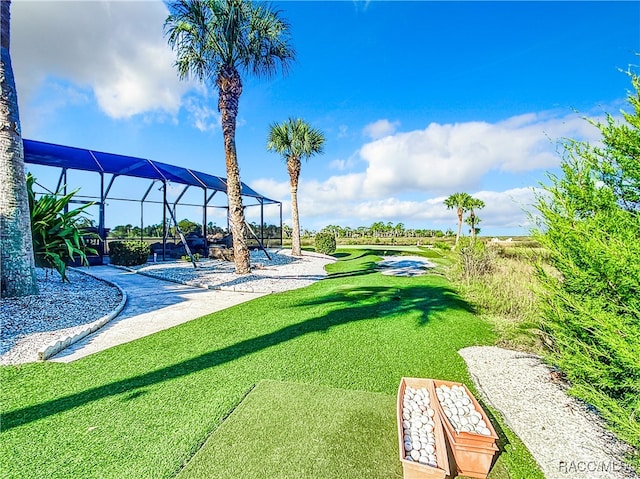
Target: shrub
(196,257)
(128,253)
(441,245)
(325,243)
(590,224)
(473,259)
(57,236)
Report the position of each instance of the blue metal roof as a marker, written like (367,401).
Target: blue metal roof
(49,154)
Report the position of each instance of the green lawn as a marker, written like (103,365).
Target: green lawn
(143,409)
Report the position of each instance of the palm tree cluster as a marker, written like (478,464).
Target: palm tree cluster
(465,203)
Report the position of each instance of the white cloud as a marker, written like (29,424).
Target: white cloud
(446,157)
(380,129)
(342,165)
(204,118)
(116,49)
(338,165)
(408,175)
(509,208)
(271,188)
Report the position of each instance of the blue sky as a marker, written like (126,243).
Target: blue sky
(417,100)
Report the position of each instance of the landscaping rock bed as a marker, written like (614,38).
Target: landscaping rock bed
(567,439)
(281,272)
(30,323)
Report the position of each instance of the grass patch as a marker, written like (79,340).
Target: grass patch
(142,409)
(283,430)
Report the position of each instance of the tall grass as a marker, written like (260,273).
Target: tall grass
(501,284)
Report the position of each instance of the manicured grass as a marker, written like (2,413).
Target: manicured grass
(284,430)
(142,409)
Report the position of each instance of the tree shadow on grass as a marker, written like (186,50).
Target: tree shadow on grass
(385,301)
(350,304)
(366,267)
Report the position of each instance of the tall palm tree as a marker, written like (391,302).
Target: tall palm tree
(459,202)
(294,140)
(474,204)
(17,266)
(216,41)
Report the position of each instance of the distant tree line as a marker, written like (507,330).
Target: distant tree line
(187,227)
(378,229)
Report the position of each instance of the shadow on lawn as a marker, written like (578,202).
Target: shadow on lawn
(349,304)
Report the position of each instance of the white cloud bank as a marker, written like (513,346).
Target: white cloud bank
(433,163)
(115,49)
(443,158)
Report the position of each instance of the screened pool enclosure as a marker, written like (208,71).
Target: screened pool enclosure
(109,168)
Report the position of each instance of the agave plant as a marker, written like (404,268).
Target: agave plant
(57,236)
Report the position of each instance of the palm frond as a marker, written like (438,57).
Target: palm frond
(210,36)
(295,138)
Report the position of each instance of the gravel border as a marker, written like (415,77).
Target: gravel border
(32,327)
(568,440)
(72,337)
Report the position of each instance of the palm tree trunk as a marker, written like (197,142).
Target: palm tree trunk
(459,225)
(473,224)
(293,165)
(230,88)
(17,267)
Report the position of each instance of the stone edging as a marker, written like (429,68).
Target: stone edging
(59,344)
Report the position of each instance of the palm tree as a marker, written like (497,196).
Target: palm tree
(473,204)
(461,203)
(216,40)
(473,222)
(17,264)
(294,140)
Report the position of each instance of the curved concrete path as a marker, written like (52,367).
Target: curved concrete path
(152,305)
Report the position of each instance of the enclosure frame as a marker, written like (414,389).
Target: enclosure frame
(71,158)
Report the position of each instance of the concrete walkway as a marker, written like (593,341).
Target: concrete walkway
(152,305)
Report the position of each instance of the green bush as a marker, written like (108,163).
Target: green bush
(196,257)
(57,236)
(325,243)
(590,225)
(128,253)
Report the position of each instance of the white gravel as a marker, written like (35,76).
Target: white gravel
(282,272)
(63,309)
(567,440)
(30,323)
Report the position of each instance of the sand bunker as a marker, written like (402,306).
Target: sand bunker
(405,265)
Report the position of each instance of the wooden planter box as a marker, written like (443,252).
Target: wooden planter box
(415,470)
(473,453)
